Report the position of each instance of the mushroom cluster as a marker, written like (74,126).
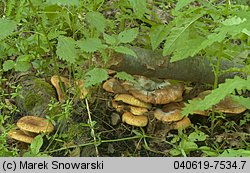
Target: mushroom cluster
(29,128)
(134,110)
(137,100)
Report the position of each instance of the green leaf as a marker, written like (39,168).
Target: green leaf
(176,34)
(22,66)
(9,7)
(128,36)
(4,152)
(197,136)
(184,52)
(246,31)
(90,45)
(95,76)
(175,152)
(188,146)
(96,20)
(6,28)
(208,151)
(232,26)
(8,65)
(217,95)
(36,144)
(109,39)
(125,50)
(172,38)
(64,2)
(76,152)
(157,34)
(242,101)
(233,21)
(66,49)
(137,133)
(175,139)
(139,7)
(235,153)
(211,39)
(25,57)
(125,76)
(182,3)
(54,34)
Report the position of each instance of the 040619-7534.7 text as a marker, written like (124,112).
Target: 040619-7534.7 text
(215,164)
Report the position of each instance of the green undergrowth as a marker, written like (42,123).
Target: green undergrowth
(77,38)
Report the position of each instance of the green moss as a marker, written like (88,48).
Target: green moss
(41,85)
(36,95)
(32,100)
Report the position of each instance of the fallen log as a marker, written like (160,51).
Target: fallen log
(152,64)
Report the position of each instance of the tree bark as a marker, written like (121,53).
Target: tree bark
(152,64)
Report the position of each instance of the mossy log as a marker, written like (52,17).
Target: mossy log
(152,64)
(35,96)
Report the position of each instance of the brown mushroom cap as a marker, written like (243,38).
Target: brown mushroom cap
(227,105)
(55,82)
(201,96)
(169,113)
(120,107)
(160,93)
(183,123)
(35,124)
(131,100)
(134,120)
(114,86)
(20,136)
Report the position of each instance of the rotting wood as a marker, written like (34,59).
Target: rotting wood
(152,64)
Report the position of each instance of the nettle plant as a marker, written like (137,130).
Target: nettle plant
(37,34)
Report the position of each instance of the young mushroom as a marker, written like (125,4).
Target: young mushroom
(114,86)
(169,117)
(135,120)
(169,113)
